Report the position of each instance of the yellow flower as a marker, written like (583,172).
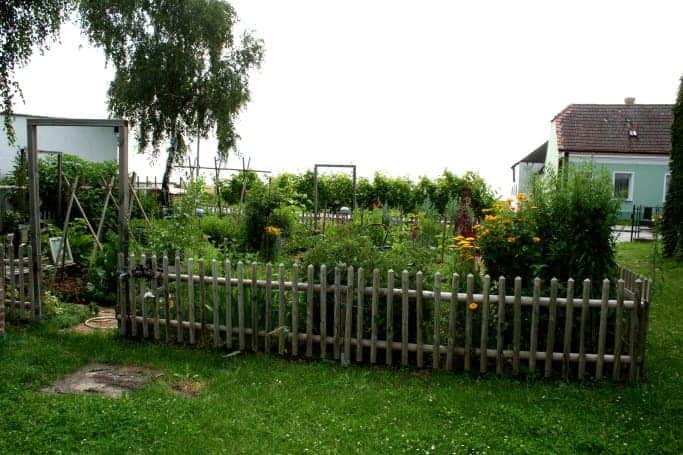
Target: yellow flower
(473,306)
(459,237)
(490,218)
(536,239)
(477,227)
(486,210)
(273,230)
(521,196)
(508,200)
(512,239)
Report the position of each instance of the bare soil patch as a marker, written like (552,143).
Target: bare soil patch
(106,380)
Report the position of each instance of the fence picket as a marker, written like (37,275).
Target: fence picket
(216,318)
(618,328)
(242,341)
(517,326)
(11,283)
(202,296)
(452,317)
(582,327)
(253,297)
(633,331)
(533,344)
(177,300)
(155,304)
(227,271)
(348,315)
(123,311)
(337,313)
(167,303)
(323,311)
(483,359)
(436,347)
(22,289)
(281,309)
(295,309)
(269,307)
(602,334)
(35,312)
(309,310)
(143,297)
(190,299)
(499,325)
(359,315)
(405,284)
(390,317)
(568,326)
(468,323)
(419,321)
(552,323)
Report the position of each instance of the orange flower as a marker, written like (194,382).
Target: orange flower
(536,239)
(473,306)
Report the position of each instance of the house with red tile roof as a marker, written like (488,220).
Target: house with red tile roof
(632,141)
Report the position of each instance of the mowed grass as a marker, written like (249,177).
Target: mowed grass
(259,404)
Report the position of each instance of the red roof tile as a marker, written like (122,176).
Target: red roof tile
(611,127)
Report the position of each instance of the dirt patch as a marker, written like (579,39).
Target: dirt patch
(106,321)
(107,380)
(188,387)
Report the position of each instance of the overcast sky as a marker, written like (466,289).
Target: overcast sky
(408,88)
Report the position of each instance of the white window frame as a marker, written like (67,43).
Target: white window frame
(631,183)
(666,176)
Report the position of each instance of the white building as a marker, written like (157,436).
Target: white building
(90,143)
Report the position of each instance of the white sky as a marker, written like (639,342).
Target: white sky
(408,88)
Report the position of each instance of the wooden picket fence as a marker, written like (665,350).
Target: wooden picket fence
(255,308)
(16,284)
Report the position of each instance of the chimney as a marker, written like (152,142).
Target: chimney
(629,101)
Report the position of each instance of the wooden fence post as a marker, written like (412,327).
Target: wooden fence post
(240,306)
(452,319)
(348,315)
(390,317)
(336,313)
(483,359)
(499,326)
(552,322)
(323,311)
(177,300)
(533,336)
(468,324)
(359,315)
(568,325)
(253,294)
(295,309)
(618,328)
(517,325)
(310,279)
(436,345)
(633,332)
(419,321)
(602,334)
(227,270)
(582,328)
(190,298)
(269,307)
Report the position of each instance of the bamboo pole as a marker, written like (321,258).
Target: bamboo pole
(552,322)
(484,325)
(602,334)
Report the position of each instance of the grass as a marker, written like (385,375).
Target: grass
(257,404)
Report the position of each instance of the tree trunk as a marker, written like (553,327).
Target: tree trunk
(166,180)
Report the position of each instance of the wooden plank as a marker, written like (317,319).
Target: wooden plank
(154,284)
(373,316)
(568,327)
(467,363)
(405,285)
(217,342)
(436,353)
(122,298)
(633,332)
(241,334)
(359,315)
(167,297)
(295,309)
(419,320)
(227,270)
(602,333)
(269,307)
(253,298)
(11,282)
(582,327)
(500,325)
(389,353)
(337,313)
(348,313)
(281,309)
(31,286)
(534,325)
(310,279)
(323,311)
(552,323)
(644,323)
(517,325)
(22,287)
(178,300)
(618,329)
(202,295)
(190,299)
(143,298)
(484,342)
(452,318)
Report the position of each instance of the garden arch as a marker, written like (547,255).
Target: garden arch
(32,124)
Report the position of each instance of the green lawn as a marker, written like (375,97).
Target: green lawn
(258,404)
